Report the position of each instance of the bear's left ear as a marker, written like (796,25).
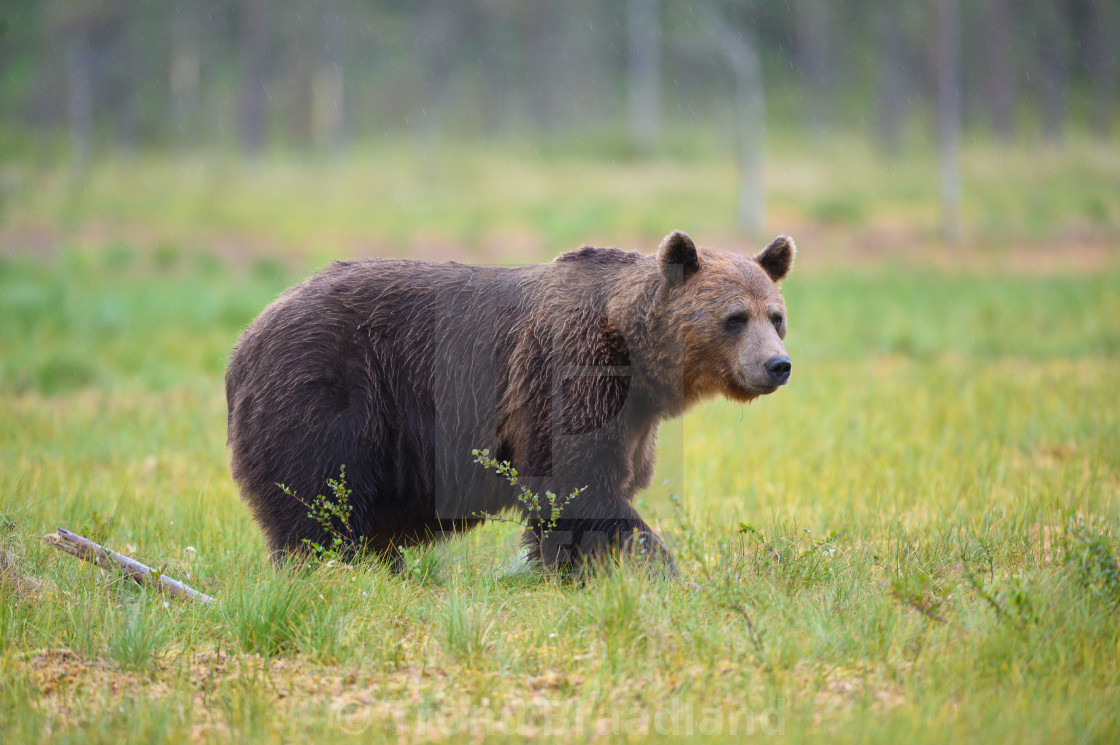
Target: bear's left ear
(777,258)
(677,249)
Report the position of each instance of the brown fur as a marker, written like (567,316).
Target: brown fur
(398,369)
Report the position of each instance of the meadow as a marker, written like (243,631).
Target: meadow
(916,541)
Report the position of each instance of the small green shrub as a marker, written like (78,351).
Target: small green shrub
(540,513)
(1010,598)
(333,516)
(61,373)
(269,270)
(921,592)
(1090,556)
(166,256)
(838,211)
(421,563)
(795,558)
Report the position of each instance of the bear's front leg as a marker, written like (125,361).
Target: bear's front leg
(602,466)
(574,542)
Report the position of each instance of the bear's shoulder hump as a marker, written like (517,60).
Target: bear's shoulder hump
(592,255)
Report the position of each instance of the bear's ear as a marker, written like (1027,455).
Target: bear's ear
(677,249)
(777,258)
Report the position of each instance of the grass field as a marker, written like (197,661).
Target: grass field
(525,201)
(916,541)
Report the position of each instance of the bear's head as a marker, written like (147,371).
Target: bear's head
(730,317)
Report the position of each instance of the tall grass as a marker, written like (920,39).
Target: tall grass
(524,200)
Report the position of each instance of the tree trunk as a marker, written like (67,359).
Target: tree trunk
(741,52)
(892,75)
(301,75)
(1104,22)
(254,73)
(497,66)
(185,66)
(949,115)
(812,56)
(1001,67)
(585,84)
(79,97)
(546,62)
(643,80)
(1055,55)
(329,92)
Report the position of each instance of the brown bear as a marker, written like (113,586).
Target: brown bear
(399,369)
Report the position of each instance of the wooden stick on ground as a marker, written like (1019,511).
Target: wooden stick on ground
(84,548)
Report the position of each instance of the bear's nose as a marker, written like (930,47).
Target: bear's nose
(779,368)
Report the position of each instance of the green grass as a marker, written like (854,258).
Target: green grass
(915,541)
(527,199)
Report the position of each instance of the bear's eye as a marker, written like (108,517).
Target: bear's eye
(776,319)
(736,320)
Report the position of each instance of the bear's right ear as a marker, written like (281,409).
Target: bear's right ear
(777,258)
(678,250)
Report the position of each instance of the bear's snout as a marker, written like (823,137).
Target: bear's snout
(778,368)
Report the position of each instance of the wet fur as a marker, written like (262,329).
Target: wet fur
(398,369)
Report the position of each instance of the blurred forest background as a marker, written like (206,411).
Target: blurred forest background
(350,126)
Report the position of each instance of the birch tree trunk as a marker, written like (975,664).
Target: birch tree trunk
(892,75)
(254,73)
(811,32)
(1001,82)
(1055,55)
(184,69)
(1103,62)
(79,97)
(643,79)
(328,88)
(949,115)
(739,49)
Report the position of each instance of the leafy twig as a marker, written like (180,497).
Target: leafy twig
(531,502)
(333,516)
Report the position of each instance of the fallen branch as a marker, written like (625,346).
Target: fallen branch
(84,548)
